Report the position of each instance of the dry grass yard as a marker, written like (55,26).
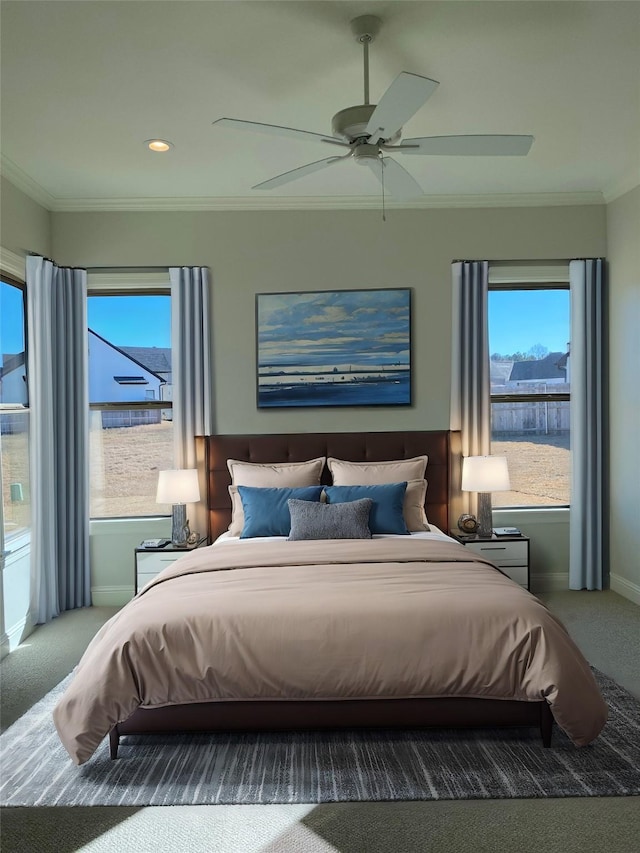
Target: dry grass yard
(543,463)
(124,469)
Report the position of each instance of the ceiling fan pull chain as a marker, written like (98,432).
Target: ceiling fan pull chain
(384,218)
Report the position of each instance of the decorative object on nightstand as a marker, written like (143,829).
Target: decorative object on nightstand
(468,523)
(178,487)
(485,474)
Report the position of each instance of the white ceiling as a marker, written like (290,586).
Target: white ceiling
(84,83)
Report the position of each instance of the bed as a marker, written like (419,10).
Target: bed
(264,633)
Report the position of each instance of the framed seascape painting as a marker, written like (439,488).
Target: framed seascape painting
(334,348)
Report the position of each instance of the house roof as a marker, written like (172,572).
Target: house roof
(10,361)
(156,359)
(500,371)
(549,367)
(127,354)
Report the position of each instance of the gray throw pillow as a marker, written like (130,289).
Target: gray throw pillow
(311,520)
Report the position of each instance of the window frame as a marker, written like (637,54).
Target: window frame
(135,283)
(514,286)
(21,536)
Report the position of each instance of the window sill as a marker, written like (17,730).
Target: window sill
(531,515)
(17,543)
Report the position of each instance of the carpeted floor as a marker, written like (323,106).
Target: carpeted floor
(606,627)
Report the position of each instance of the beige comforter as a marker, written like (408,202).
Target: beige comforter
(336,619)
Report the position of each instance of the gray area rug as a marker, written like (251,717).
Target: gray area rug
(319,767)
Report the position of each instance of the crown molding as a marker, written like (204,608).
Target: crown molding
(82,205)
(35,191)
(26,184)
(13,264)
(629,182)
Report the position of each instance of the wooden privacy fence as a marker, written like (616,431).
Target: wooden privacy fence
(540,418)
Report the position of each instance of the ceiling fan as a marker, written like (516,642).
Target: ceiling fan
(370,132)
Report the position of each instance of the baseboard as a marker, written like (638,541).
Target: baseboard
(111,596)
(625,588)
(16,634)
(550,582)
(5,646)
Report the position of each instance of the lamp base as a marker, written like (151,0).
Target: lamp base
(179,526)
(485,519)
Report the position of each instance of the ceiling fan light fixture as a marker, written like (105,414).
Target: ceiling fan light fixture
(160,146)
(364,153)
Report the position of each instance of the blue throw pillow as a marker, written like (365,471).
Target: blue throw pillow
(266,512)
(386,514)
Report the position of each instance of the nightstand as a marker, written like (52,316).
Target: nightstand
(508,553)
(151,561)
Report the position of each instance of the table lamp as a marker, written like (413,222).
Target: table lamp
(485,474)
(178,487)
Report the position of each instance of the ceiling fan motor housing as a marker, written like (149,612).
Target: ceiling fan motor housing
(350,124)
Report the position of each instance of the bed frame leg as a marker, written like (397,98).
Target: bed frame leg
(114,741)
(546,724)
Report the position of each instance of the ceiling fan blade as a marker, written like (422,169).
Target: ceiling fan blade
(403,98)
(276,130)
(470,146)
(396,178)
(300,172)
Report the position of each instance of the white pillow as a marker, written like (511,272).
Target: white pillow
(413,507)
(376,473)
(276,475)
(392,471)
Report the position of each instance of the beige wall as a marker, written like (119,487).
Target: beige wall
(251,252)
(25,226)
(623,252)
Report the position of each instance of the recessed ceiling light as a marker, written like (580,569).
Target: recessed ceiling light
(158,144)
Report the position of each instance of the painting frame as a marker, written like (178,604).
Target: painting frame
(334,348)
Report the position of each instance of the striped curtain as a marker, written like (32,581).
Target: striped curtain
(59,406)
(587,375)
(470,384)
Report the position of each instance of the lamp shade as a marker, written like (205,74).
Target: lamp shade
(178,486)
(485,474)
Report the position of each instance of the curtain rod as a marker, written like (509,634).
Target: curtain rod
(127,269)
(145,268)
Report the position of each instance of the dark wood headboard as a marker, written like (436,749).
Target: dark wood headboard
(441,446)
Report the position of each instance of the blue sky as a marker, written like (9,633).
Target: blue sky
(519,320)
(134,321)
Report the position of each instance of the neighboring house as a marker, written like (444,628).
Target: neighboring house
(552,370)
(115,376)
(157,359)
(13,384)
(499,372)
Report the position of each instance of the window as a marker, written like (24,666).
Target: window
(14,412)
(131,432)
(529,328)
